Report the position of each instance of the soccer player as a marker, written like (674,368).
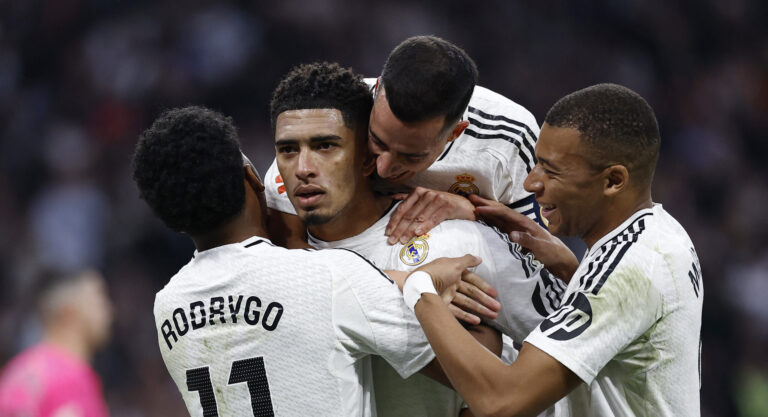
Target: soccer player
(626,339)
(324,162)
(249,328)
(54,378)
(432,128)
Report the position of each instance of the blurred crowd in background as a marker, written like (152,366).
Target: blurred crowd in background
(80,79)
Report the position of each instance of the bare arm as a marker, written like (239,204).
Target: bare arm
(487,338)
(286,230)
(491,388)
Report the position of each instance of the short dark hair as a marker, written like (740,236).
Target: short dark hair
(426,77)
(617,124)
(189,169)
(323,85)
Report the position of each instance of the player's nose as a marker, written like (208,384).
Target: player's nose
(533,182)
(305,166)
(386,166)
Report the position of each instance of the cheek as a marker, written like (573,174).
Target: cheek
(343,175)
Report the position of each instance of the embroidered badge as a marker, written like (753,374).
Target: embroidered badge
(415,251)
(464,185)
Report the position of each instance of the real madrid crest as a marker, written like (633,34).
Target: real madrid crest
(415,251)
(464,185)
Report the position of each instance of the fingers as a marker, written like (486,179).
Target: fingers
(468,302)
(525,240)
(474,280)
(463,315)
(469,261)
(430,217)
(482,202)
(506,219)
(407,212)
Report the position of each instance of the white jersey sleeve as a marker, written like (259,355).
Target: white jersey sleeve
(372,316)
(274,190)
(493,116)
(593,326)
(630,322)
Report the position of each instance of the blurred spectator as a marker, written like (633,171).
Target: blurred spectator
(53,378)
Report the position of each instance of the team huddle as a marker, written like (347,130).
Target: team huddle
(400,258)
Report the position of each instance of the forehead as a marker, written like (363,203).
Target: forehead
(560,145)
(297,124)
(404,137)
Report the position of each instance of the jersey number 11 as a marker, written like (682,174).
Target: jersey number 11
(250,371)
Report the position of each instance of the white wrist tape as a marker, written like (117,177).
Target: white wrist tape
(417,283)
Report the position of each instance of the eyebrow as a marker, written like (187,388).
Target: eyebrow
(313,139)
(375,136)
(547,162)
(412,155)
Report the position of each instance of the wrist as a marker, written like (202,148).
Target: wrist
(418,283)
(564,270)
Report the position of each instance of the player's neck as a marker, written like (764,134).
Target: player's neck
(360,214)
(617,214)
(250,221)
(233,232)
(70,340)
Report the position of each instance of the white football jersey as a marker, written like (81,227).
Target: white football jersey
(251,329)
(629,325)
(528,294)
(490,158)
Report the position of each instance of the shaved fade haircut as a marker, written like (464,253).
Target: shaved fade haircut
(617,124)
(425,77)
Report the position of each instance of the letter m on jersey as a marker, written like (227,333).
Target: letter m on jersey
(695,274)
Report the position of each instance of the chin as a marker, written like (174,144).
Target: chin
(311,219)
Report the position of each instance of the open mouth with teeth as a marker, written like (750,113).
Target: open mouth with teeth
(547,209)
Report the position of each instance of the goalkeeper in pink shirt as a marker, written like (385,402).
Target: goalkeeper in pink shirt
(54,378)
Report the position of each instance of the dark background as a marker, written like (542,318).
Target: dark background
(79,79)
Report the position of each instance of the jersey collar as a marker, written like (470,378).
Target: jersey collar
(251,241)
(613,233)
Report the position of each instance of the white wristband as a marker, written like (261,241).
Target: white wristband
(417,283)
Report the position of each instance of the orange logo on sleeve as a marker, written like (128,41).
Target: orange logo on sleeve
(281,187)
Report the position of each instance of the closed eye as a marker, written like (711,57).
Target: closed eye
(327,145)
(286,149)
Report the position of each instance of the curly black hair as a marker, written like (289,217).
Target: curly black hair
(189,169)
(425,77)
(617,124)
(323,85)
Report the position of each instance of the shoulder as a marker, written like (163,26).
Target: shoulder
(342,263)
(500,127)
(488,105)
(171,288)
(643,256)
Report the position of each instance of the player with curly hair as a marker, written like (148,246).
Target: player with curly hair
(250,328)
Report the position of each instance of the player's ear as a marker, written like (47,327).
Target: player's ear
(253,179)
(458,130)
(616,179)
